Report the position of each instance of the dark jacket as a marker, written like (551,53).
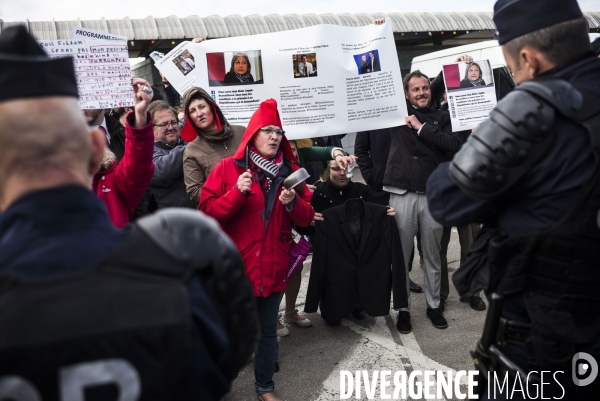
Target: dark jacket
(328,195)
(117,136)
(372,148)
(73,238)
(357,258)
(230,78)
(167,184)
(413,157)
(543,195)
(465,83)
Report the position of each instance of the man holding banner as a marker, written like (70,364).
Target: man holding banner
(416,149)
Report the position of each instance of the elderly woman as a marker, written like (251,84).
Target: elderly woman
(472,77)
(211,139)
(239,73)
(245,194)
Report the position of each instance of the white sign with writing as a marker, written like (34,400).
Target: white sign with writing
(101,68)
(178,67)
(327,79)
(470,93)
(84,33)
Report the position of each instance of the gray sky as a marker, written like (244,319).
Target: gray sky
(61,10)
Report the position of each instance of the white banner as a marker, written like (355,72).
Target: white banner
(327,79)
(178,67)
(101,68)
(470,93)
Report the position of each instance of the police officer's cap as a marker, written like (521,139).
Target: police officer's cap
(26,71)
(514,18)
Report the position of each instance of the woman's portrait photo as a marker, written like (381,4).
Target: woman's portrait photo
(463,76)
(472,76)
(185,62)
(234,68)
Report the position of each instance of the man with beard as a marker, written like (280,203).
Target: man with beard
(416,150)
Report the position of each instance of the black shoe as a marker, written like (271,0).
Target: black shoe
(403,324)
(437,319)
(477,303)
(414,287)
(442,306)
(358,314)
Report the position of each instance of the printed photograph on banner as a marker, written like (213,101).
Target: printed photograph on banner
(468,75)
(470,93)
(185,62)
(234,68)
(305,65)
(367,62)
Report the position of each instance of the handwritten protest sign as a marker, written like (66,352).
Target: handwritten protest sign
(470,93)
(101,68)
(327,79)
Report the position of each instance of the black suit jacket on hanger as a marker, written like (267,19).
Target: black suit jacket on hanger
(342,271)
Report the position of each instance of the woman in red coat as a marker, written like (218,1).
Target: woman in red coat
(244,193)
(121,185)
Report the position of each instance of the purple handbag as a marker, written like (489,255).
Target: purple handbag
(298,256)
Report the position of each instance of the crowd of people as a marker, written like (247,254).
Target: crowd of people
(87,201)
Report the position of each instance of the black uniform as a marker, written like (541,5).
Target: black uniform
(533,208)
(140,311)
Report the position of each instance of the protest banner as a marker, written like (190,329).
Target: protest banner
(327,79)
(178,67)
(470,93)
(101,68)
(90,34)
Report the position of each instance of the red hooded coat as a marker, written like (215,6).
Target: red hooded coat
(122,185)
(264,242)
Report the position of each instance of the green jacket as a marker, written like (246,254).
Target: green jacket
(315,154)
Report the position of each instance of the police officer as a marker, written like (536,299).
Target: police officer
(531,173)
(160,311)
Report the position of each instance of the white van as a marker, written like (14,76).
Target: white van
(431,64)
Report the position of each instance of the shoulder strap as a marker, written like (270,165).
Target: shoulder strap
(563,96)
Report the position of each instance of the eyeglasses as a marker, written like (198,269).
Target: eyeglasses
(173,123)
(270,131)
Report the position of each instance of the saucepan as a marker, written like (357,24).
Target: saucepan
(295,178)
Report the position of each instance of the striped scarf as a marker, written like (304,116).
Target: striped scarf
(266,168)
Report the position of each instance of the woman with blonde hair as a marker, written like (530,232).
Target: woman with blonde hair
(472,76)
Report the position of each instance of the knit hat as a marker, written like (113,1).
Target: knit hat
(514,18)
(26,71)
(267,114)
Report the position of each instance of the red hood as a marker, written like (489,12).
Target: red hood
(189,132)
(267,114)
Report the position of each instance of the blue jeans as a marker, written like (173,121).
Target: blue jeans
(266,350)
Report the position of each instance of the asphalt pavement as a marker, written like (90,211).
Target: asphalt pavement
(311,358)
